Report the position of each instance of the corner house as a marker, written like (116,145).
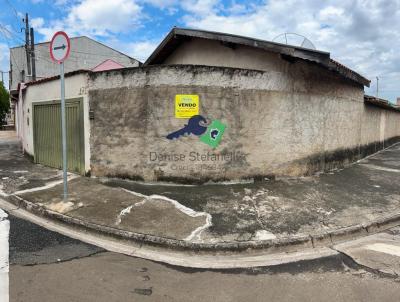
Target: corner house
(209,106)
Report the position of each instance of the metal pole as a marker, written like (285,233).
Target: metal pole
(64,132)
(33,63)
(377,86)
(27,50)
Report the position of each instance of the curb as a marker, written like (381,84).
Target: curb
(292,243)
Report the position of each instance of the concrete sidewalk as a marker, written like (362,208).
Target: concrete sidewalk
(308,211)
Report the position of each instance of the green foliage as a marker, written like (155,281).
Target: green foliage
(4,103)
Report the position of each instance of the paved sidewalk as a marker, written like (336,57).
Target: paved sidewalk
(216,213)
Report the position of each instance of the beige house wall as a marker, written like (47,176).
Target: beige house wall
(75,87)
(213,53)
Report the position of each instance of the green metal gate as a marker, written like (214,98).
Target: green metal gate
(47,134)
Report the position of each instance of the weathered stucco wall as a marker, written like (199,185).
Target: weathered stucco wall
(278,123)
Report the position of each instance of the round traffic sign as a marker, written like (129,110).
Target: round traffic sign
(59,47)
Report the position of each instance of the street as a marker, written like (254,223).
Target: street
(46,266)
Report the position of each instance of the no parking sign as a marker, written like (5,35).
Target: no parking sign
(60,47)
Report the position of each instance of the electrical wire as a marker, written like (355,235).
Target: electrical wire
(94,54)
(8,43)
(4,28)
(15,13)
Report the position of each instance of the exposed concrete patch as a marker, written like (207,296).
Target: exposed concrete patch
(264,235)
(195,234)
(384,248)
(379,252)
(63,207)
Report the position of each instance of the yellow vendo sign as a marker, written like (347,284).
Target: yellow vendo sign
(186,105)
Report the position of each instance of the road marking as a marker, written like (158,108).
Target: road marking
(4,262)
(380,168)
(384,248)
(48,185)
(188,211)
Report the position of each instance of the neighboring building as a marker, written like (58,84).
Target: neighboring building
(398,102)
(108,65)
(287,111)
(86,53)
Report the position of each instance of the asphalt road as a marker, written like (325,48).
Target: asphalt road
(46,266)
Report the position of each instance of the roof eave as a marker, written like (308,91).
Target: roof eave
(166,47)
(298,52)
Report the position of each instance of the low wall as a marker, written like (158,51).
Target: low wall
(296,122)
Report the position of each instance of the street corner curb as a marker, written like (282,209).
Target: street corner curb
(320,239)
(383,223)
(286,244)
(347,233)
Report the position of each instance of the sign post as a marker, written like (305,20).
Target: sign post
(59,51)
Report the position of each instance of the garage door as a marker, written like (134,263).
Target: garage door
(47,134)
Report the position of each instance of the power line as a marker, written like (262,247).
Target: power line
(5,37)
(94,54)
(10,32)
(15,13)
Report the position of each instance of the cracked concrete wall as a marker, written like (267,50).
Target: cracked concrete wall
(292,120)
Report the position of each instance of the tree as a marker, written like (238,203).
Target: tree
(4,104)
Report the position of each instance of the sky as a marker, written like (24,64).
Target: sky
(361,34)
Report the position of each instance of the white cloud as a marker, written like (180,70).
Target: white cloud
(102,16)
(37,22)
(142,50)
(237,9)
(196,6)
(162,3)
(96,18)
(200,7)
(361,34)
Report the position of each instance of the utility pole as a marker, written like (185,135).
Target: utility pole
(33,55)
(377,86)
(28,57)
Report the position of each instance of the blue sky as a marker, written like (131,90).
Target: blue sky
(364,34)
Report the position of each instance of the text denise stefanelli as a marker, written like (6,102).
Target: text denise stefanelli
(196,156)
